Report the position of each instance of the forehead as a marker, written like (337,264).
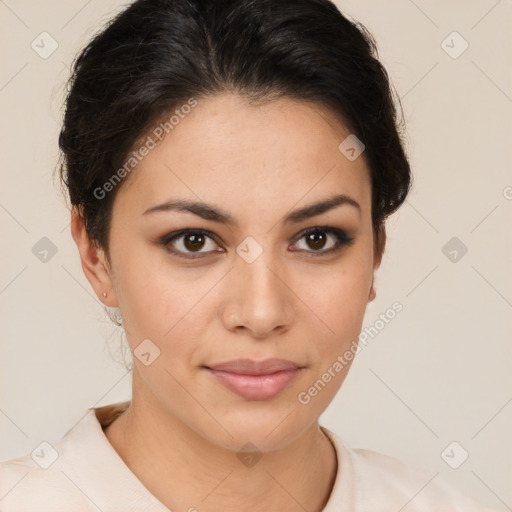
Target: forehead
(228,151)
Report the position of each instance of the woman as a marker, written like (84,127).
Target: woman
(230,167)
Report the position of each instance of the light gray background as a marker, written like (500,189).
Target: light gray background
(439,372)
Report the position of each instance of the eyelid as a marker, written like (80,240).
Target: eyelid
(343,239)
(167,239)
(341,235)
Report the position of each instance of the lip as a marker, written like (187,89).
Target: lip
(255,380)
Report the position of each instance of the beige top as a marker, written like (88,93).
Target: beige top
(83,473)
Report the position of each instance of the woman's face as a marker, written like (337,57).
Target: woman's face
(254,288)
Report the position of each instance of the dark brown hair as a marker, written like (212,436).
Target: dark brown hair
(158,54)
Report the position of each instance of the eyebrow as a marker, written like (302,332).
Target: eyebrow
(216,214)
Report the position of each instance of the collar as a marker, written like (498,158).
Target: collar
(120,486)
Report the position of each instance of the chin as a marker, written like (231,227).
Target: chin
(268,428)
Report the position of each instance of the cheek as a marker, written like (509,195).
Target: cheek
(150,298)
(341,295)
(163,304)
(338,301)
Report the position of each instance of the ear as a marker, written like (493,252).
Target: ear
(380,243)
(94,261)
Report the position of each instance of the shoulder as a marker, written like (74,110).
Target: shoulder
(25,486)
(79,472)
(406,484)
(54,475)
(382,482)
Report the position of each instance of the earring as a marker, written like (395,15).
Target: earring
(104,294)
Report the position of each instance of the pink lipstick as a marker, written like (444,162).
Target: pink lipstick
(254,380)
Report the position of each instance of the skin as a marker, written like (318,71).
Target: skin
(183,429)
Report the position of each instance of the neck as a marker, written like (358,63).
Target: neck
(186,472)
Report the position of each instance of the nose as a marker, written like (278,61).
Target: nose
(258,299)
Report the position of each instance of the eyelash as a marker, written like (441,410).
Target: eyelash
(343,239)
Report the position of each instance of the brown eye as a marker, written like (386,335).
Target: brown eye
(193,242)
(317,239)
(189,243)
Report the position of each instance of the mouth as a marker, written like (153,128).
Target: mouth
(254,380)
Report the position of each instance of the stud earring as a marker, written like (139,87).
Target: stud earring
(104,294)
